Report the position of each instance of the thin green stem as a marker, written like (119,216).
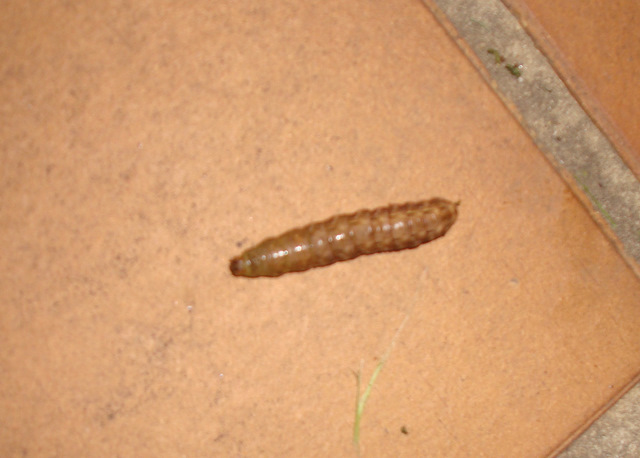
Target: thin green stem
(361,399)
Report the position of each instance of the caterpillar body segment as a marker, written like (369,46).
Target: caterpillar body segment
(347,236)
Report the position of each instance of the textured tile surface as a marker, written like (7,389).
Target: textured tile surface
(145,145)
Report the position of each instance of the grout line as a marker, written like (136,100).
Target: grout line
(594,108)
(506,57)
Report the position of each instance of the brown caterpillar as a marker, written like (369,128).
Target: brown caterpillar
(343,237)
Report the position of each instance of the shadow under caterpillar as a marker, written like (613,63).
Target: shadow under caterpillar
(343,237)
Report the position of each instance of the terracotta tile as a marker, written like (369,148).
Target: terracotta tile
(145,145)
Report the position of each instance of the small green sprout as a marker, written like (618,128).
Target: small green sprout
(515,69)
(497,56)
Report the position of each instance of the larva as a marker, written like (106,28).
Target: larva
(343,237)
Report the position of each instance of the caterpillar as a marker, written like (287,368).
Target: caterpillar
(343,237)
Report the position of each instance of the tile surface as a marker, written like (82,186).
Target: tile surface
(145,145)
